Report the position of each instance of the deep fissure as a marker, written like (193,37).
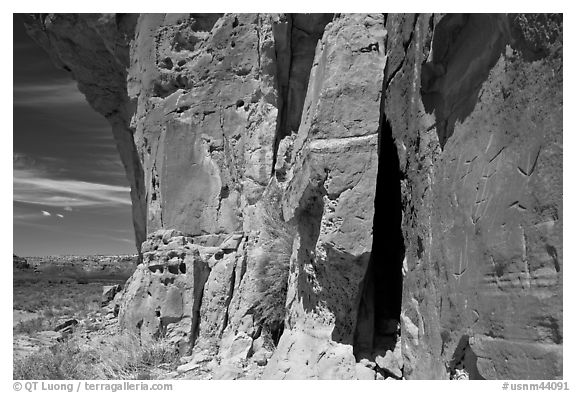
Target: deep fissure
(377,328)
(295,49)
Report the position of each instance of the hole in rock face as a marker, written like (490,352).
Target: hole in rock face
(182,268)
(420,249)
(276,334)
(554,255)
(166,63)
(155,269)
(381,301)
(183,108)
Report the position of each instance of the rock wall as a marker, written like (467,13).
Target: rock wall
(337,195)
(480,124)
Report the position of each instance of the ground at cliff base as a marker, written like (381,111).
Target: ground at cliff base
(54,296)
(65,327)
(49,289)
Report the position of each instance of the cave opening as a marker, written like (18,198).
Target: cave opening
(377,328)
(276,333)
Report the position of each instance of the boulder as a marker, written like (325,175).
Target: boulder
(365,373)
(237,349)
(66,326)
(227,372)
(109,292)
(187,367)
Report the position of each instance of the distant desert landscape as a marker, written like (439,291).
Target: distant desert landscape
(57,296)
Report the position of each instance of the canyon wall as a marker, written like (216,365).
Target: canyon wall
(322,193)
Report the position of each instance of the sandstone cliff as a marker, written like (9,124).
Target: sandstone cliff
(323,193)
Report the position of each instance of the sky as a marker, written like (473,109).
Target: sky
(70,192)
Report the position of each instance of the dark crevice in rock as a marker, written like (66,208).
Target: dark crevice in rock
(259,57)
(295,42)
(307,30)
(381,299)
(464,361)
(169,83)
(276,334)
(137,192)
(465,47)
(309,222)
(551,250)
(282,36)
(201,273)
(228,300)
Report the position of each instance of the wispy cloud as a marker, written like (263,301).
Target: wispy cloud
(35,186)
(45,213)
(58,93)
(60,215)
(67,193)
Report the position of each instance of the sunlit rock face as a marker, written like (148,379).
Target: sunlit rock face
(336,195)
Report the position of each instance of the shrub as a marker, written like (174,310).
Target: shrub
(29,326)
(37,293)
(273,264)
(120,357)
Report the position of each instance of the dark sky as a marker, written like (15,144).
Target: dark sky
(70,195)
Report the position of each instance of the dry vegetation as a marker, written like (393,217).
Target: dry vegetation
(273,265)
(117,357)
(52,298)
(105,355)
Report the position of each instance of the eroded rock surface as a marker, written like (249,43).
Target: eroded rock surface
(334,195)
